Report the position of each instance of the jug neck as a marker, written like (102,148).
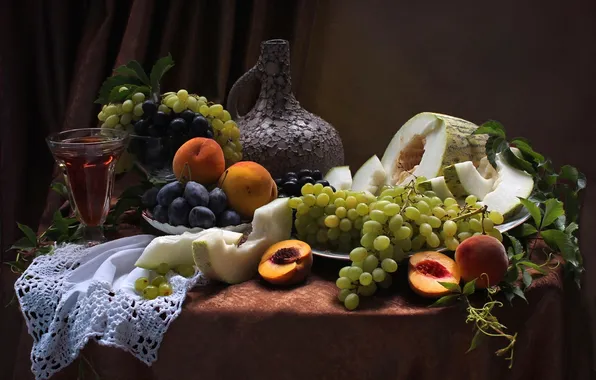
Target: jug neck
(276,80)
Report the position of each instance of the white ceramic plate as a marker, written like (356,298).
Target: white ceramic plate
(179,230)
(515,221)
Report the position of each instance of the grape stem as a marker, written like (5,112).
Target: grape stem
(467,215)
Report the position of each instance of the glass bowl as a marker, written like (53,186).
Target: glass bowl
(154,155)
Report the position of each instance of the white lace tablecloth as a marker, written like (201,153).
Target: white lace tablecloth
(80,293)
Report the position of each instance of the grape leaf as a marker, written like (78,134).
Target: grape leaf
(511,275)
(451,286)
(110,83)
(60,223)
(518,292)
(524,146)
(559,240)
(159,69)
(121,93)
(133,69)
(533,209)
(560,222)
(532,265)
(491,128)
(527,229)
(517,247)
(29,234)
(469,287)
(554,209)
(476,340)
(527,278)
(571,174)
(444,300)
(60,188)
(571,228)
(517,162)
(494,145)
(22,244)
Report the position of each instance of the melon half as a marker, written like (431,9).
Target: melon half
(427,143)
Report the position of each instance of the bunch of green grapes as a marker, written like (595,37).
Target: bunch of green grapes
(157,284)
(225,130)
(120,116)
(382,230)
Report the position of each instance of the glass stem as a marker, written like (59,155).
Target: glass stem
(91,235)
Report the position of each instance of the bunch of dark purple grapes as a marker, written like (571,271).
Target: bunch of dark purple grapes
(291,183)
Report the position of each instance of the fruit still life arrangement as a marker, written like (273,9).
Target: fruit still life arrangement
(455,207)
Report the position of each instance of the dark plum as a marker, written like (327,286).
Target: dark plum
(178,125)
(149,108)
(169,192)
(202,217)
(323,182)
(209,134)
(292,188)
(279,182)
(291,175)
(218,201)
(149,198)
(160,213)
(156,130)
(228,218)
(304,180)
(317,175)
(199,126)
(161,119)
(141,128)
(305,173)
(196,194)
(178,212)
(187,115)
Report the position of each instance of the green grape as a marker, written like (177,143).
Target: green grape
(352,214)
(158,280)
(162,269)
(343,294)
(358,223)
(403,232)
(365,218)
(378,274)
(357,264)
(391,209)
(471,200)
(340,194)
(365,278)
(367,290)
(217,125)
(316,212)
(367,240)
(370,263)
(138,97)
(453,207)
(294,202)
(185,270)
(404,244)
(395,223)
(333,233)
(235,134)
(110,110)
(358,254)
(386,283)
(345,238)
(351,302)
(496,217)
(463,226)
(398,253)
(317,188)
(163,108)
(386,253)
(328,190)
(322,236)
(399,190)
(127,106)
(389,265)
(478,205)
(423,207)
(126,118)
(463,235)
(165,289)
(449,202)
(477,233)
(372,226)
(332,221)
(216,110)
(435,201)
(182,95)
(423,219)
(119,127)
(420,179)
(496,234)
(380,205)
(309,199)
(226,116)
(339,202)
(417,242)
(434,221)
(439,212)
(412,213)
(475,225)
(443,235)
(488,225)
(203,109)
(302,209)
(330,209)
(138,110)
(150,292)
(102,116)
(141,283)
(379,216)
(345,224)
(312,228)
(341,212)
(381,242)
(179,106)
(433,240)
(452,213)
(426,229)
(321,222)
(307,189)
(362,209)
(362,198)
(451,243)
(450,228)
(351,202)
(112,120)
(354,273)
(343,283)
(192,103)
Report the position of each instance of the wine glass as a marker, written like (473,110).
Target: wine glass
(87,158)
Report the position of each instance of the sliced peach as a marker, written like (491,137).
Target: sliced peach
(483,258)
(286,263)
(427,269)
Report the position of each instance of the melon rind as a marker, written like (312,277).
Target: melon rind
(437,185)
(370,177)
(339,177)
(463,179)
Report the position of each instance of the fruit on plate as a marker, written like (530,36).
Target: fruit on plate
(463,179)
(291,182)
(509,185)
(248,186)
(370,177)
(199,159)
(287,262)
(174,250)
(232,257)
(427,269)
(339,177)
(437,185)
(428,142)
(483,258)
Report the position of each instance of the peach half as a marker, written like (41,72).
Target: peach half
(286,263)
(427,269)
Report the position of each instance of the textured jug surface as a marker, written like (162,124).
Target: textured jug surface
(277,132)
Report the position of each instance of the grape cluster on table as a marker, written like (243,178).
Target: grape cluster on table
(378,232)
(290,184)
(190,205)
(157,284)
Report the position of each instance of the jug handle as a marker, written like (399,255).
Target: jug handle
(232,104)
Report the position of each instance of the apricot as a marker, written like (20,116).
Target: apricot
(200,160)
(482,256)
(427,269)
(286,263)
(248,186)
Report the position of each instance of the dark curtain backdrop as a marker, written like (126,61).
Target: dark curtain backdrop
(55,55)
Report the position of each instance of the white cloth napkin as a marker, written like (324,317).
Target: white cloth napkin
(81,293)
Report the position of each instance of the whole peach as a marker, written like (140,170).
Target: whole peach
(481,256)
(200,160)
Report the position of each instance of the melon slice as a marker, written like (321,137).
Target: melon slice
(463,179)
(486,169)
(428,142)
(339,177)
(224,257)
(510,184)
(173,250)
(370,177)
(437,185)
